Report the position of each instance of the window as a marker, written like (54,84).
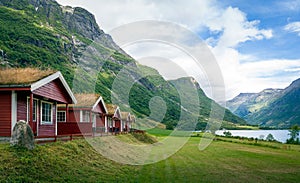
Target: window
(110,123)
(61,116)
(46,113)
(34,114)
(85,116)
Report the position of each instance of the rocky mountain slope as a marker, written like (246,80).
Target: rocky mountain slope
(277,108)
(44,34)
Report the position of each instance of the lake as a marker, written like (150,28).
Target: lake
(279,135)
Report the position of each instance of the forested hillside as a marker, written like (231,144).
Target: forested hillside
(44,34)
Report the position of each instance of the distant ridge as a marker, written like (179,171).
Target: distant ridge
(277,108)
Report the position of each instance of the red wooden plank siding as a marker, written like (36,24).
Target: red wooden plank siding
(118,124)
(98,109)
(55,91)
(74,116)
(5,113)
(73,128)
(99,121)
(48,129)
(21,106)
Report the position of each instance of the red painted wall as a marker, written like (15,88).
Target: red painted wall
(118,124)
(47,129)
(74,116)
(5,113)
(21,106)
(22,109)
(55,91)
(99,121)
(98,109)
(73,128)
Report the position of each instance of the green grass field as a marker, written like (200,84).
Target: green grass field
(222,161)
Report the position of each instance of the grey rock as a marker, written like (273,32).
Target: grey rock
(22,135)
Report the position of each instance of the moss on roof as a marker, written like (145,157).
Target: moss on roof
(22,76)
(124,115)
(86,99)
(111,108)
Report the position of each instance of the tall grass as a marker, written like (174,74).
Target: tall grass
(77,161)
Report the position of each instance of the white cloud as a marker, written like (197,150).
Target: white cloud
(258,75)
(236,28)
(293,27)
(289,5)
(229,23)
(111,14)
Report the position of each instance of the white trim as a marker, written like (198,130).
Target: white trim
(118,111)
(87,114)
(13,110)
(51,117)
(94,120)
(105,123)
(56,118)
(63,112)
(50,78)
(97,102)
(80,116)
(38,117)
(121,121)
(36,109)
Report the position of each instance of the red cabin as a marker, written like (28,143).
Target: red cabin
(114,118)
(127,121)
(86,116)
(32,95)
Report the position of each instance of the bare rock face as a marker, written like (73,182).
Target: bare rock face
(22,135)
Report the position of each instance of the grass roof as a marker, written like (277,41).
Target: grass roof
(22,76)
(124,115)
(86,99)
(111,108)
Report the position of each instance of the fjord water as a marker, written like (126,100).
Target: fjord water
(279,135)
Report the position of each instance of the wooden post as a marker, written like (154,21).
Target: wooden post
(67,112)
(31,111)
(90,117)
(91,121)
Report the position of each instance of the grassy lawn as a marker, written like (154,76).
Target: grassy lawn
(225,162)
(222,161)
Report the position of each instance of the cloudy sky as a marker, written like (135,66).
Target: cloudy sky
(255,43)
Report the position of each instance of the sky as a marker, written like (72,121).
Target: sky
(255,43)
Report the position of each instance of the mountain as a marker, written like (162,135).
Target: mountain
(44,34)
(245,104)
(277,108)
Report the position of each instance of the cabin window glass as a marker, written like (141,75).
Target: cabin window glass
(46,113)
(85,116)
(61,116)
(34,114)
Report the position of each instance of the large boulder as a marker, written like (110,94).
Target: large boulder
(22,135)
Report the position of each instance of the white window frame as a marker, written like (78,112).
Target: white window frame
(64,115)
(51,117)
(83,117)
(36,109)
(94,120)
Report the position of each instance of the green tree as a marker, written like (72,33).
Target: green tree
(270,137)
(294,135)
(227,134)
(171,124)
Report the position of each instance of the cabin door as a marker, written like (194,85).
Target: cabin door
(118,125)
